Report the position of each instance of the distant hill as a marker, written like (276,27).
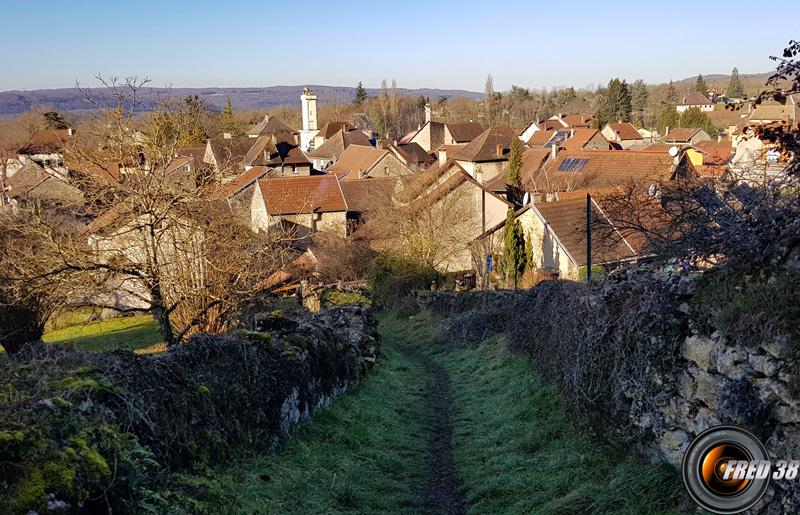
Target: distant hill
(72,100)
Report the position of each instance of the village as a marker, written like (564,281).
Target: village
(467,175)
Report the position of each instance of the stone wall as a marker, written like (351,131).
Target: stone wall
(670,374)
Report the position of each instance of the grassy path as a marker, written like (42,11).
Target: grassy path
(445,429)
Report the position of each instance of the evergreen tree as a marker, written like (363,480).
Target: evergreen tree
(54,120)
(668,118)
(696,119)
(529,253)
(361,95)
(515,163)
(672,95)
(228,123)
(700,85)
(639,96)
(735,88)
(614,103)
(514,256)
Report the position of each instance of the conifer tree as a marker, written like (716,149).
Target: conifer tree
(361,95)
(228,123)
(515,163)
(639,96)
(514,255)
(700,85)
(672,95)
(735,88)
(614,103)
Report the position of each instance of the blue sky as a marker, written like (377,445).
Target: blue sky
(48,44)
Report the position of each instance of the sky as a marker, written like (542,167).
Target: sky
(433,44)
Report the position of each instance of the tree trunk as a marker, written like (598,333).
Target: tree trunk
(161,316)
(19,326)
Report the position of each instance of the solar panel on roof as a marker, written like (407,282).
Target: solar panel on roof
(572,164)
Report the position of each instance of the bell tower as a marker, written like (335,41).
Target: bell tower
(308,102)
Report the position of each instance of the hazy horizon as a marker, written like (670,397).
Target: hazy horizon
(442,46)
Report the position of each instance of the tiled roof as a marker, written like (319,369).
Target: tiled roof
(417,153)
(296,195)
(357,160)
(334,146)
(331,128)
(625,131)
(241,182)
(365,194)
(551,124)
(46,142)
(769,112)
(539,138)
(716,152)
(597,169)
(230,151)
(580,137)
(270,125)
(567,219)
(578,120)
(484,147)
(681,135)
(695,98)
(464,132)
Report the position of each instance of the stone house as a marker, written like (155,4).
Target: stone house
(484,157)
(330,151)
(684,136)
(623,133)
(359,162)
(695,99)
(299,205)
(46,148)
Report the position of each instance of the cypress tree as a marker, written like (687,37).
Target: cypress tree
(514,255)
(735,88)
(228,124)
(514,163)
(672,95)
(361,94)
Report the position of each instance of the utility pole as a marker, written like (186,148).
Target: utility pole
(589,238)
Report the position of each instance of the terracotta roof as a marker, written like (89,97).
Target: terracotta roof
(625,131)
(695,98)
(334,146)
(769,112)
(655,147)
(33,181)
(578,120)
(331,128)
(716,152)
(46,142)
(597,169)
(567,218)
(539,138)
(532,161)
(405,140)
(357,160)
(459,177)
(464,132)
(230,151)
(241,182)
(269,125)
(484,148)
(296,195)
(580,137)
(365,194)
(681,135)
(551,124)
(418,154)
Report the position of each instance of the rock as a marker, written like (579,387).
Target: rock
(772,390)
(787,413)
(698,349)
(674,444)
(729,361)
(684,307)
(780,347)
(764,364)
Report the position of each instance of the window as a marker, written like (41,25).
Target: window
(572,164)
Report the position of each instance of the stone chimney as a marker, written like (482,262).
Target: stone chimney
(498,149)
(553,151)
(71,131)
(427,112)
(442,155)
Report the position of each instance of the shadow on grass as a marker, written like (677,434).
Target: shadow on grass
(118,333)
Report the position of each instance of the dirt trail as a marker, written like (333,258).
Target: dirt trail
(443,492)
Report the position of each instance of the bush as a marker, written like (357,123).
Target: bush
(105,430)
(393,279)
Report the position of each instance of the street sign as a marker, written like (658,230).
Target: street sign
(489,263)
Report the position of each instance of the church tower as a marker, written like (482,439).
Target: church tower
(308,102)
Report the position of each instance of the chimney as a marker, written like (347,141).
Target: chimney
(70,131)
(442,155)
(227,135)
(499,150)
(553,151)
(427,112)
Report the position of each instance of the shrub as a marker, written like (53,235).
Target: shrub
(105,430)
(392,279)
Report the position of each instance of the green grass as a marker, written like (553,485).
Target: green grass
(134,332)
(515,450)
(363,454)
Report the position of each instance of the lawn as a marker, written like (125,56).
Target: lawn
(135,332)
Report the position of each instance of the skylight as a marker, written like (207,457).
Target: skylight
(572,164)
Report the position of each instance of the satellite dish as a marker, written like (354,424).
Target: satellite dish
(526,199)
(673,151)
